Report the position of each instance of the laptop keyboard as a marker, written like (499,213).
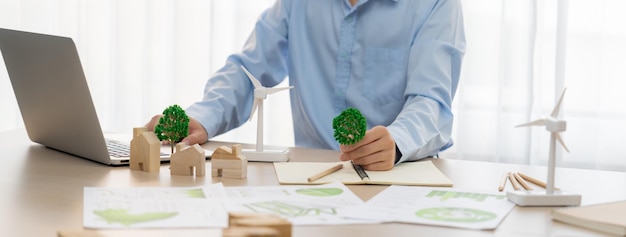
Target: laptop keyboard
(118,149)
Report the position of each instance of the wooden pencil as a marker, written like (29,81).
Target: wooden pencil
(514,181)
(505,176)
(521,181)
(325,172)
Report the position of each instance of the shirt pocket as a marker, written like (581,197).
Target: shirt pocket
(385,75)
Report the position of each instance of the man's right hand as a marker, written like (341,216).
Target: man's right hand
(197,133)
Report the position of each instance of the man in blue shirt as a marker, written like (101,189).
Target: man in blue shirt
(397,61)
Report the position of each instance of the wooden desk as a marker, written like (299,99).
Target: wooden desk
(42,193)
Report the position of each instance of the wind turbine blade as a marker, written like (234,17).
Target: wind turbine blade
(274,90)
(255,105)
(558,138)
(557,107)
(537,122)
(253,79)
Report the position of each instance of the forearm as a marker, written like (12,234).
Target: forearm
(422,129)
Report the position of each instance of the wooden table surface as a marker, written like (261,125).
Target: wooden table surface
(42,192)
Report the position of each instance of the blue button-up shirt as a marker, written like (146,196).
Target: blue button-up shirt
(397,61)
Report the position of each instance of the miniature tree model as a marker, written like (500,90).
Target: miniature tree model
(349,126)
(173,126)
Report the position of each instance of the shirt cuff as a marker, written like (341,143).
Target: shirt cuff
(398,154)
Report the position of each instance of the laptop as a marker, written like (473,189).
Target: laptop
(54,98)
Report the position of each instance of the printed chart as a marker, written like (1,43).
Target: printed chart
(154,207)
(302,205)
(435,206)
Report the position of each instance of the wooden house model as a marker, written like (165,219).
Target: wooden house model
(229,162)
(145,151)
(188,160)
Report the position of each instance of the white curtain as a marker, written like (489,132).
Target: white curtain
(520,56)
(142,56)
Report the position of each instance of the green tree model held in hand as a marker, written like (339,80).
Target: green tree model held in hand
(173,126)
(350,126)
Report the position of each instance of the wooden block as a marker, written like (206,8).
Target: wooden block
(229,162)
(241,231)
(145,151)
(243,215)
(187,160)
(277,223)
(78,233)
(226,164)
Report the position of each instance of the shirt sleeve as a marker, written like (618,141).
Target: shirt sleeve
(424,126)
(228,94)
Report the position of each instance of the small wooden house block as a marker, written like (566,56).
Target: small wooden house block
(229,162)
(145,151)
(188,160)
(257,224)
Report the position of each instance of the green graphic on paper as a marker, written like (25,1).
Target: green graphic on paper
(291,209)
(478,197)
(123,217)
(455,214)
(195,193)
(320,192)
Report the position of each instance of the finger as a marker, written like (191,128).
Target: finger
(195,137)
(378,166)
(379,145)
(153,122)
(370,136)
(197,133)
(376,161)
(379,155)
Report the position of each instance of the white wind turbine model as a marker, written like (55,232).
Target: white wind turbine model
(260,93)
(550,197)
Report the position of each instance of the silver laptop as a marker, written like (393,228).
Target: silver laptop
(54,98)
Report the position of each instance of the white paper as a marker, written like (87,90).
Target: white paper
(300,204)
(435,206)
(154,207)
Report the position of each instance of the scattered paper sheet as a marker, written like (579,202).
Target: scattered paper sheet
(154,207)
(435,206)
(300,204)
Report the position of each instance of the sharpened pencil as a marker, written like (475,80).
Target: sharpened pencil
(325,172)
(535,181)
(505,176)
(521,181)
(514,181)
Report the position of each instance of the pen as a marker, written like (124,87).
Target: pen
(325,172)
(360,171)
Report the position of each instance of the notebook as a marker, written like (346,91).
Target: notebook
(54,98)
(419,173)
(606,217)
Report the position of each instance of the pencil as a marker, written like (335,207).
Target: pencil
(521,181)
(513,181)
(325,172)
(535,181)
(505,175)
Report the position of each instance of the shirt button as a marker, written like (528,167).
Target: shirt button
(349,19)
